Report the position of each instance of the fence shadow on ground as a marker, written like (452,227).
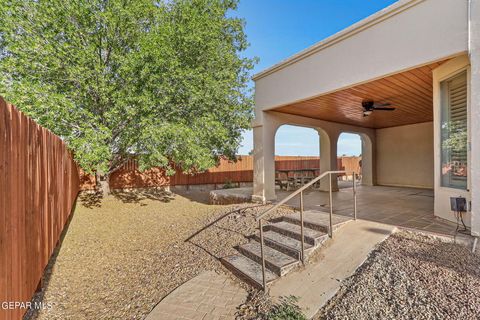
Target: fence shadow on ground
(138,195)
(93,199)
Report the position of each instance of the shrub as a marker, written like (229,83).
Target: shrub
(287,309)
(228,184)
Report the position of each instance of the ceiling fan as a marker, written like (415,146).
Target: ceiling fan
(369,106)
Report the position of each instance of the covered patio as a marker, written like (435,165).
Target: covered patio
(397,149)
(397,181)
(420,71)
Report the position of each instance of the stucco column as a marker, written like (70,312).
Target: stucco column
(368,160)
(263,160)
(328,157)
(474,39)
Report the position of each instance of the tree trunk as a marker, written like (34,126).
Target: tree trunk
(103,184)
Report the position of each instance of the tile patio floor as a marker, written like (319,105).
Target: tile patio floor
(404,207)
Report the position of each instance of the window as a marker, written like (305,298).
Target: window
(454,131)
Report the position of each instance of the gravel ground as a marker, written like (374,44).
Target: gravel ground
(411,276)
(122,254)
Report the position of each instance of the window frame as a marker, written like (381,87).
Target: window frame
(440,77)
(446,115)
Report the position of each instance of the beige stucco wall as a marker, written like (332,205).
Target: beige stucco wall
(474,116)
(405,156)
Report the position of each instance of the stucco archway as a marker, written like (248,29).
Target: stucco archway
(367,157)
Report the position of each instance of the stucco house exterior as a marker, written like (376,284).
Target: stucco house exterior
(421,57)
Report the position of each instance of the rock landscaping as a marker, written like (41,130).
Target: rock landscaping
(411,276)
(122,254)
(231,196)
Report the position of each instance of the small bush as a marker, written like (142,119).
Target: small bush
(228,184)
(287,309)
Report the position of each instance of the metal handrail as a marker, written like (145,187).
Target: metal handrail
(259,218)
(293,194)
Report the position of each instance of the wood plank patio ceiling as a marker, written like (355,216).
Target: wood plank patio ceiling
(410,92)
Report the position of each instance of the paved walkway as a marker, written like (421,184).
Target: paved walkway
(209,296)
(319,281)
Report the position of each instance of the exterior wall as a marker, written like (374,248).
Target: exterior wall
(405,156)
(443,194)
(405,35)
(475,115)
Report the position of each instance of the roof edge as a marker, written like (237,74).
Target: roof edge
(357,27)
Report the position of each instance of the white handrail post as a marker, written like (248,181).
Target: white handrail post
(330,229)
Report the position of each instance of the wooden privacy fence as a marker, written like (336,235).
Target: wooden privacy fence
(128,176)
(39,183)
(350,164)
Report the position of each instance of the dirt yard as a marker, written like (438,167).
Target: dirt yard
(122,254)
(411,276)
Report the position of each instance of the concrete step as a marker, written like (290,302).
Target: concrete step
(313,237)
(284,244)
(317,220)
(248,270)
(275,260)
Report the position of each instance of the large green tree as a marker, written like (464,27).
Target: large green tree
(161,81)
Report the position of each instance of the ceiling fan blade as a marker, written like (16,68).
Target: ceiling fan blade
(380,105)
(384,109)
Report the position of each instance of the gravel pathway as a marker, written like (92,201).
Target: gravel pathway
(411,276)
(122,254)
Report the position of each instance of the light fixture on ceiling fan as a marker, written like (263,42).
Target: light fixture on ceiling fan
(369,106)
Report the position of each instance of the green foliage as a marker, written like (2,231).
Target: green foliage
(456,137)
(160,81)
(228,184)
(287,309)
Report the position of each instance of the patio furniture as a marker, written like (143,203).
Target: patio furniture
(291,179)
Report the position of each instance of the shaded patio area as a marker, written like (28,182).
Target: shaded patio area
(404,207)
